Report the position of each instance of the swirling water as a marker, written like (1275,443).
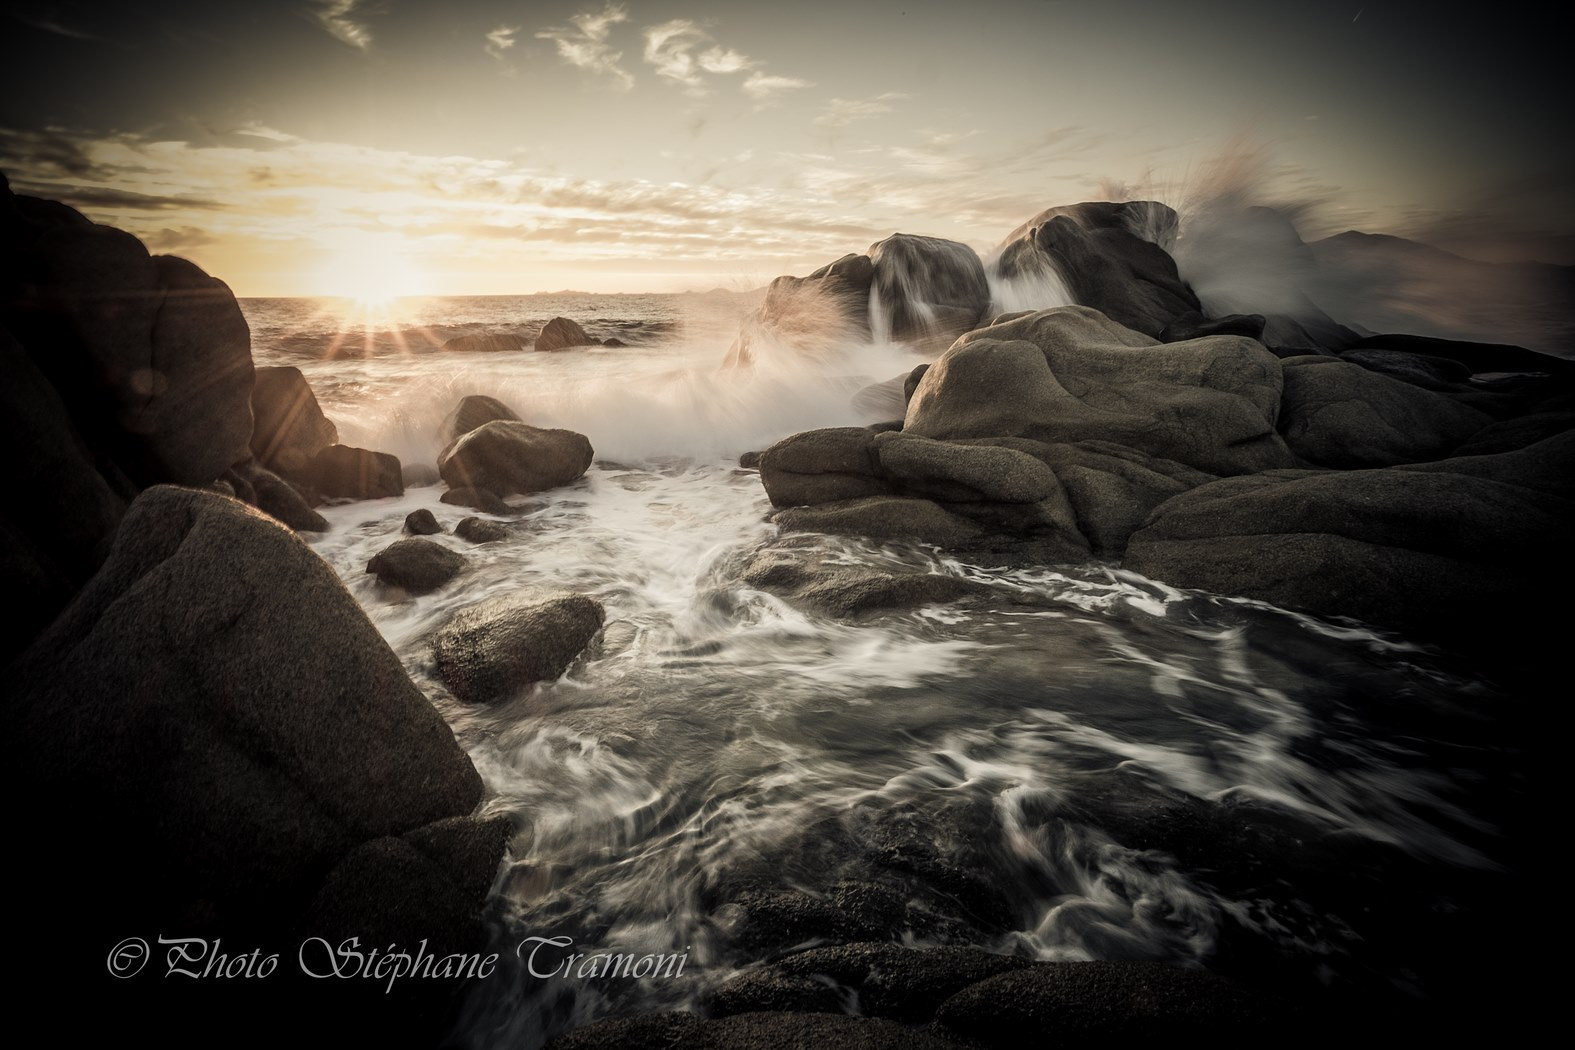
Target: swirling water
(1088,764)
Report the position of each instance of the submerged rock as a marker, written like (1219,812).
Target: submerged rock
(485,343)
(355,473)
(560,333)
(477,499)
(416,565)
(507,456)
(491,650)
(221,704)
(289,427)
(803,577)
(480,530)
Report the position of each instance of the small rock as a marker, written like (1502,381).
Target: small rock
(416,565)
(479,530)
(490,650)
(560,333)
(422,523)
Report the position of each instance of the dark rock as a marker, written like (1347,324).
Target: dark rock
(821,466)
(418,475)
(473,411)
(1071,374)
(1342,415)
(614,342)
(288,427)
(486,343)
(809,314)
(219,700)
(844,590)
(884,518)
(771,989)
(355,473)
(476,499)
(1479,357)
(273,495)
(911,383)
(964,473)
(505,457)
(1112,488)
(1076,1001)
(751,1031)
(648,1032)
(1196,326)
(480,530)
(881,399)
(1111,257)
(422,523)
(1511,434)
(926,290)
(560,333)
(1423,370)
(416,565)
(1405,546)
(489,651)
(750,460)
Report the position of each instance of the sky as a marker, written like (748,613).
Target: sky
(361,147)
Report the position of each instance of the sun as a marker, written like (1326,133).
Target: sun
(371,277)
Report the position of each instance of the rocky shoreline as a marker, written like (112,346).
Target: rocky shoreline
(229,749)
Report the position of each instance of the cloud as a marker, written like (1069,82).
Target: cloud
(340,19)
(585,44)
(763,87)
(673,48)
(500,40)
(840,112)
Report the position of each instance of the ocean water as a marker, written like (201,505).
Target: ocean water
(1088,765)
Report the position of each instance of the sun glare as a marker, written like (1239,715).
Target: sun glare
(370,278)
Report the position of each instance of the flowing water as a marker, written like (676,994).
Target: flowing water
(1088,764)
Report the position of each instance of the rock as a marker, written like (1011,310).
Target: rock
(473,411)
(489,651)
(1479,357)
(288,427)
(422,523)
(416,565)
(219,700)
(750,460)
(477,499)
(613,342)
(964,473)
(1063,1003)
(911,383)
(560,333)
(807,315)
(273,495)
(1423,370)
(752,1031)
(479,530)
(905,984)
(505,457)
(884,518)
(418,475)
(1112,488)
(1071,374)
(1511,434)
(881,400)
(486,343)
(1196,326)
(1111,257)
(821,466)
(356,473)
(1409,547)
(925,289)
(850,590)
(1342,415)
(646,1032)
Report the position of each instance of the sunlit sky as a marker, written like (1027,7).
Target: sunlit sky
(495,146)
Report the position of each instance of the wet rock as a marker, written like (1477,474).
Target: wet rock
(477,499)
(418,475)
(808,314)
(881,399)
(911,383)
(416,565)
(647,1032)
(771,989)
(219,700)
(273,495)
(1110,257)
(1062,1002)
(288,427)
(614,342)
(1342,415)
(343,471)
(489,651)
(485,343)
(821,466)
(1196,326)
(964,473)
(750,460)
(884,518)
(929,290)
(422,523)
(560,333)
(473,411)
(1112,489)
(505,457)
(1423,370)
(480,530)
(1511,434)
(844,591)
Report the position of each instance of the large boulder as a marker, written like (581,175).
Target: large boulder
(273,495)
(505,456)
(1112,488)
(347,472)
(1429,547)
(152,355)
(822,466)
(925,290)
(963,473)
(1111,257)
(489,651)
(1338,414)
(235,725)
(288,426)
(560,333)
(885,518)
(1072,374)
(475,410)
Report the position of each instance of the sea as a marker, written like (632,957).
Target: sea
(1092,766)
